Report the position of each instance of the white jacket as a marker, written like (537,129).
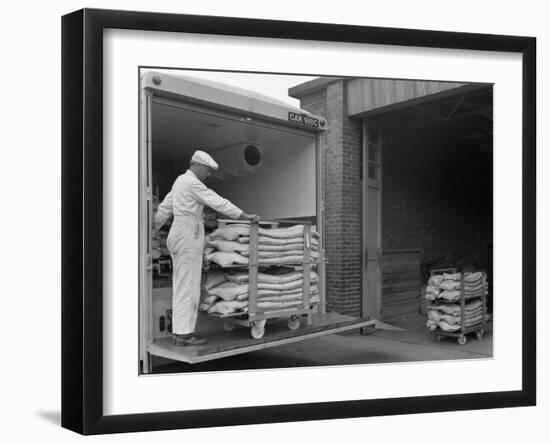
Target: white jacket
(188,197)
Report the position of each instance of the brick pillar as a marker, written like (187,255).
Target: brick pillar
(343,196)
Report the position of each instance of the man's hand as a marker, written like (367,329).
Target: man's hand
(253,218)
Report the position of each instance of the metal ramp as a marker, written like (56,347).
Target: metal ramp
(222,343)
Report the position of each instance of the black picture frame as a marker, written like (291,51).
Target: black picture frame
(82,155)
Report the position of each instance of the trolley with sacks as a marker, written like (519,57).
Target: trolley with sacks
(263,271)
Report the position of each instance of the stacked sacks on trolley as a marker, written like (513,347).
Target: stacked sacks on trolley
(446,286)
(449,286)
(273,291)
(227,291)
(447,317)
(445,292)
(475,284)
(230,245)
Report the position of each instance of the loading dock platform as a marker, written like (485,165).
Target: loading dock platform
(222,343)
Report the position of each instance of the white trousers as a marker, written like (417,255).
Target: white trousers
(185,243)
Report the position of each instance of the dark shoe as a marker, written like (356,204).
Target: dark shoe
(188,340)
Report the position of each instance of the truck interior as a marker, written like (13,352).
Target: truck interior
(263,169)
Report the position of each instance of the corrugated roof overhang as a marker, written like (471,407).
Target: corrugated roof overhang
(365,95)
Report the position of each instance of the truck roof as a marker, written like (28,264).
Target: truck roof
(223,96)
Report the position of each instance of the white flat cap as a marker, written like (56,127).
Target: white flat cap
(204,159)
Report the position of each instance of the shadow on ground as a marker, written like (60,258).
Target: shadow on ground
(54,417)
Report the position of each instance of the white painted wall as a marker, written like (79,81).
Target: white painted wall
(283,187)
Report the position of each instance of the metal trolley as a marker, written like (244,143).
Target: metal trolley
(478,328)
(255,318)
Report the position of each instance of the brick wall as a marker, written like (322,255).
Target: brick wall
(437,197)
(342,186)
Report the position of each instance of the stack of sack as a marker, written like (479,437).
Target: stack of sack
(446,286)
(229,245)
(227,292)
(159,248)
(447,290)
(447,316)
(475,284)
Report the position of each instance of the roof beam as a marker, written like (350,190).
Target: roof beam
(478,111)
(457,104)
(449,120)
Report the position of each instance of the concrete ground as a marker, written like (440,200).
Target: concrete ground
(413,343)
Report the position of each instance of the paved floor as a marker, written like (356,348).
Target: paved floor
(413,343)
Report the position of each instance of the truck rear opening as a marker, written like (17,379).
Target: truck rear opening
(270,159)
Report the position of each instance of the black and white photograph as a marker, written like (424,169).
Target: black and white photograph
(290,220)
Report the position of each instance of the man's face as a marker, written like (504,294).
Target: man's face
(205,172)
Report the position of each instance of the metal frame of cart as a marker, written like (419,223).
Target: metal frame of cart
(255,318)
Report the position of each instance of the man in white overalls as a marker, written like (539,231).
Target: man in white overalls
(185,240)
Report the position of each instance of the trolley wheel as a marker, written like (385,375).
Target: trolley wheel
(257,329)
(462,340)
(479,333)
(228,326)
(293,322)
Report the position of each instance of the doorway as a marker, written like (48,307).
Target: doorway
(429,203)
(372,226)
